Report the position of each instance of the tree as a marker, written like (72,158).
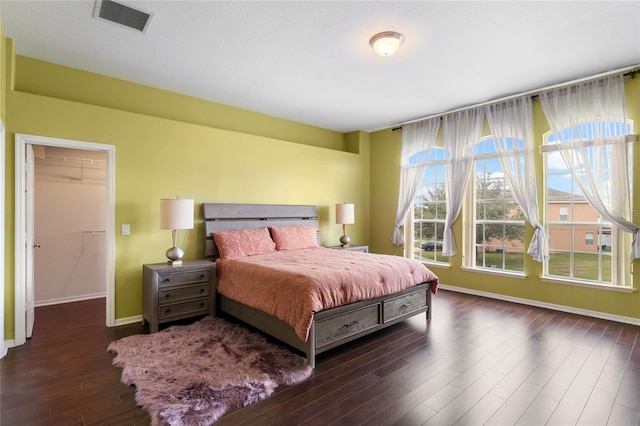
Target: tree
(430,207)
(491,193)
(494,202)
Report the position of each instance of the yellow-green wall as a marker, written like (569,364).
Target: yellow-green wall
(385,160)
(160,153)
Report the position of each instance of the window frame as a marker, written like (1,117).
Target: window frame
(411,221)
(620,268)
(469,216)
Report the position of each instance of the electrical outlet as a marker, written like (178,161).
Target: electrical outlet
(126,229)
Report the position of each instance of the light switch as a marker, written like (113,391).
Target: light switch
(126,229)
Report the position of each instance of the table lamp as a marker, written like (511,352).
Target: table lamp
(176,213)
(344,215)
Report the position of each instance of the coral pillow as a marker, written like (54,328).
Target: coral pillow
(294,237)
(244,242)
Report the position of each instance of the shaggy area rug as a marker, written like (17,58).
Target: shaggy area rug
(188,375)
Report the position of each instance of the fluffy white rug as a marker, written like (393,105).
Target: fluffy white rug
(192,374)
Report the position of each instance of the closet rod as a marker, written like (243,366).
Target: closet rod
(77,159)
(626,71)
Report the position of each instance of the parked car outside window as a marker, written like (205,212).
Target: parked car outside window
(432,245)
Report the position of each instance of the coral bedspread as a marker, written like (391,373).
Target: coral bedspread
(291,285)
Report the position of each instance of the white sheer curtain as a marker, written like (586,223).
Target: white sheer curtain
(511,125)
(596,153)
(417,138)
(461,133)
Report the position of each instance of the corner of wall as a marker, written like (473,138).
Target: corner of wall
(353,140)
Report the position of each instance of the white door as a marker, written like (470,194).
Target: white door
(30,244)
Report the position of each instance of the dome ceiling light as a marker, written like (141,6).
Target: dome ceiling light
(386,43)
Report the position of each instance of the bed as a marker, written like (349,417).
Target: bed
(324,328)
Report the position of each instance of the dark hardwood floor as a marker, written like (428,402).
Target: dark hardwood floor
(479,361)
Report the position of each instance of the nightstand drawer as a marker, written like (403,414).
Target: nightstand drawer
(182,293)
(334,329)
(188,308)
(179,278)
(404,305)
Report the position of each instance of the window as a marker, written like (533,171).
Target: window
(429,211)
(563,213)
(582,245)
(588,238)
(498,221)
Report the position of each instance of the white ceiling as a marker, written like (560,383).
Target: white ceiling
(310,61)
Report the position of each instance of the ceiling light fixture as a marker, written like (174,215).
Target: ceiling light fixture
(386,43)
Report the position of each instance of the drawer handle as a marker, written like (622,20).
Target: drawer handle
(167,311)
(406,305)
(351,324)
(201,275)
(167,295)
(166,280)
(202,290)
(202,305)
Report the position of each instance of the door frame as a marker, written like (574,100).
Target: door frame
(3,348)
(21,140)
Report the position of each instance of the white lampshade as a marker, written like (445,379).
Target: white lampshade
(386,43)
(176,213)
(345,214)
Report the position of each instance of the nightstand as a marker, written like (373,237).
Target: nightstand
(171,293)
(352,247)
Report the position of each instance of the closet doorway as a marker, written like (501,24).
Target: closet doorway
(65,210)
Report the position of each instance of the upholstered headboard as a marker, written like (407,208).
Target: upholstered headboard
(226,217)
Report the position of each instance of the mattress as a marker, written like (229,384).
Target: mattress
(294,284)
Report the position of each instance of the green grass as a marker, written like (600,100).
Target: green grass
(512,261)
(585,265)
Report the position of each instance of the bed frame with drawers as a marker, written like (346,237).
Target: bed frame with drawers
(331,327)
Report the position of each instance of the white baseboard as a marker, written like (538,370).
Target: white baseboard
(561,308)
(8,344)
(128,320)
(69,299)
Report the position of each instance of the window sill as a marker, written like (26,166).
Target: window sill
(499,272)
(589,285)
(436,264)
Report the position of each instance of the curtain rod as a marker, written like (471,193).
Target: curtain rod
(626,71)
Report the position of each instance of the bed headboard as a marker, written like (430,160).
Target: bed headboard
(226,217)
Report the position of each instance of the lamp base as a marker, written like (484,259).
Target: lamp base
(344,241)
(174,254)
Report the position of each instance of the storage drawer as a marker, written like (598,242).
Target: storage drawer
(194,307)
(404,305)
(182,293)
(177,278)
(342,326)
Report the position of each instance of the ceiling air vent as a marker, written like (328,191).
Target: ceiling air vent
(118,13)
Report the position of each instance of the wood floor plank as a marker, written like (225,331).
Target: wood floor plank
(390,412)
(453,411)
(621,415)
(515,406)
(538,412)
(575,398)
(598,408)
(565,374)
